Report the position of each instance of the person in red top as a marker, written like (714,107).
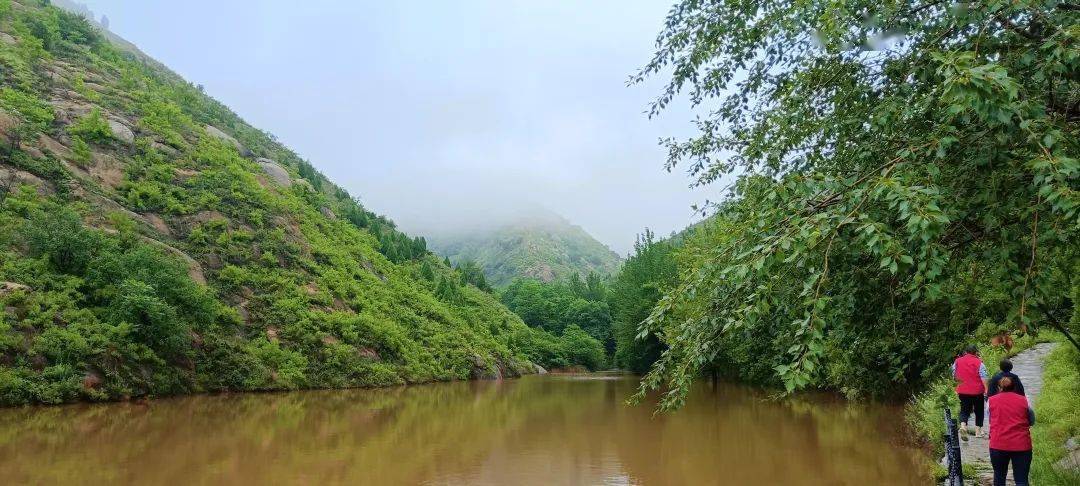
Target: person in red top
(1011,437)
(972,378)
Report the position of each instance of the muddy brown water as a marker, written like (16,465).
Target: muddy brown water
(539,430)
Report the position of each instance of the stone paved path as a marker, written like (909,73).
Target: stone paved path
(1028,365)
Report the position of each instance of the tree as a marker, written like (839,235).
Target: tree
(579,347)
(473,274)
(426,272)
(576,285)
(554,307)
(634,292)
(60,236)
(884,152)
(595,290)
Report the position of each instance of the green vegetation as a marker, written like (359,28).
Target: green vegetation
(92,128)
(610,312)
(1058,417)
(645,276)
(184,267)
(556,307)
(907,173)
(540,246)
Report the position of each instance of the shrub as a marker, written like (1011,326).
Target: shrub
(81,150)
(581,348)
(32,109)
(60,237)
(93,128)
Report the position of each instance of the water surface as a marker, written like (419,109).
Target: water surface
(540,430)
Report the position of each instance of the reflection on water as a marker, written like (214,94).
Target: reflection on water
(539,430)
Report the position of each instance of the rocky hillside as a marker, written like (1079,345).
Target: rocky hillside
(152,243)
(540,245)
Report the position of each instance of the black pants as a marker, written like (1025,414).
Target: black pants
(1021,464)
(968,404)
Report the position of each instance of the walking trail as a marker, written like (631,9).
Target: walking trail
(1028,365)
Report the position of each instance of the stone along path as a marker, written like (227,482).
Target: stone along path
(1028,365)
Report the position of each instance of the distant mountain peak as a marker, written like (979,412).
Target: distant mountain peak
(537,243)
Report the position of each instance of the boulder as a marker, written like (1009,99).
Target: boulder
(15,177)
(329,213)
(220,135)
(38,362)
(484,371)
(68,110)
(121,131)
(58,149)
(157,223)
(33,151)
(165,149)
(540,369)
(96,87)
(275,171)
(8,39)
(9,287)
(1071,461)
(185,174)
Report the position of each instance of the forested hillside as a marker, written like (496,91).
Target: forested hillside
(539,245)
(152,243)
(609,310)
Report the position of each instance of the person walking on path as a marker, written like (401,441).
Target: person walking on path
(1011,439)
(1006,371)
(972,378)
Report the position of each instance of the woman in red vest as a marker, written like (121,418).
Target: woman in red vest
(1011,437)
(972,378)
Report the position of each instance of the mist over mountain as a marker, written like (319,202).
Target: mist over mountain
(528,242)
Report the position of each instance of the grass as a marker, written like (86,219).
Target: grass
(1057,417)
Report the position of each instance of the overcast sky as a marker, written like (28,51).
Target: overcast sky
(439,112)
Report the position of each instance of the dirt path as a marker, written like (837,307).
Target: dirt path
(1028,365)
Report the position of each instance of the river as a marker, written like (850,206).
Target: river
(538,430)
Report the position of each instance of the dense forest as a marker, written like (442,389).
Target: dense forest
(152,243)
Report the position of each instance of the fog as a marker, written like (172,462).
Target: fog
(445,114)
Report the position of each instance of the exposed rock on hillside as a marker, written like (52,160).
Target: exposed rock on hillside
(121,131)
(275,171)
(217,133)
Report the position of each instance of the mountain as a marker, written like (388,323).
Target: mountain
(153,243)
(537,244)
